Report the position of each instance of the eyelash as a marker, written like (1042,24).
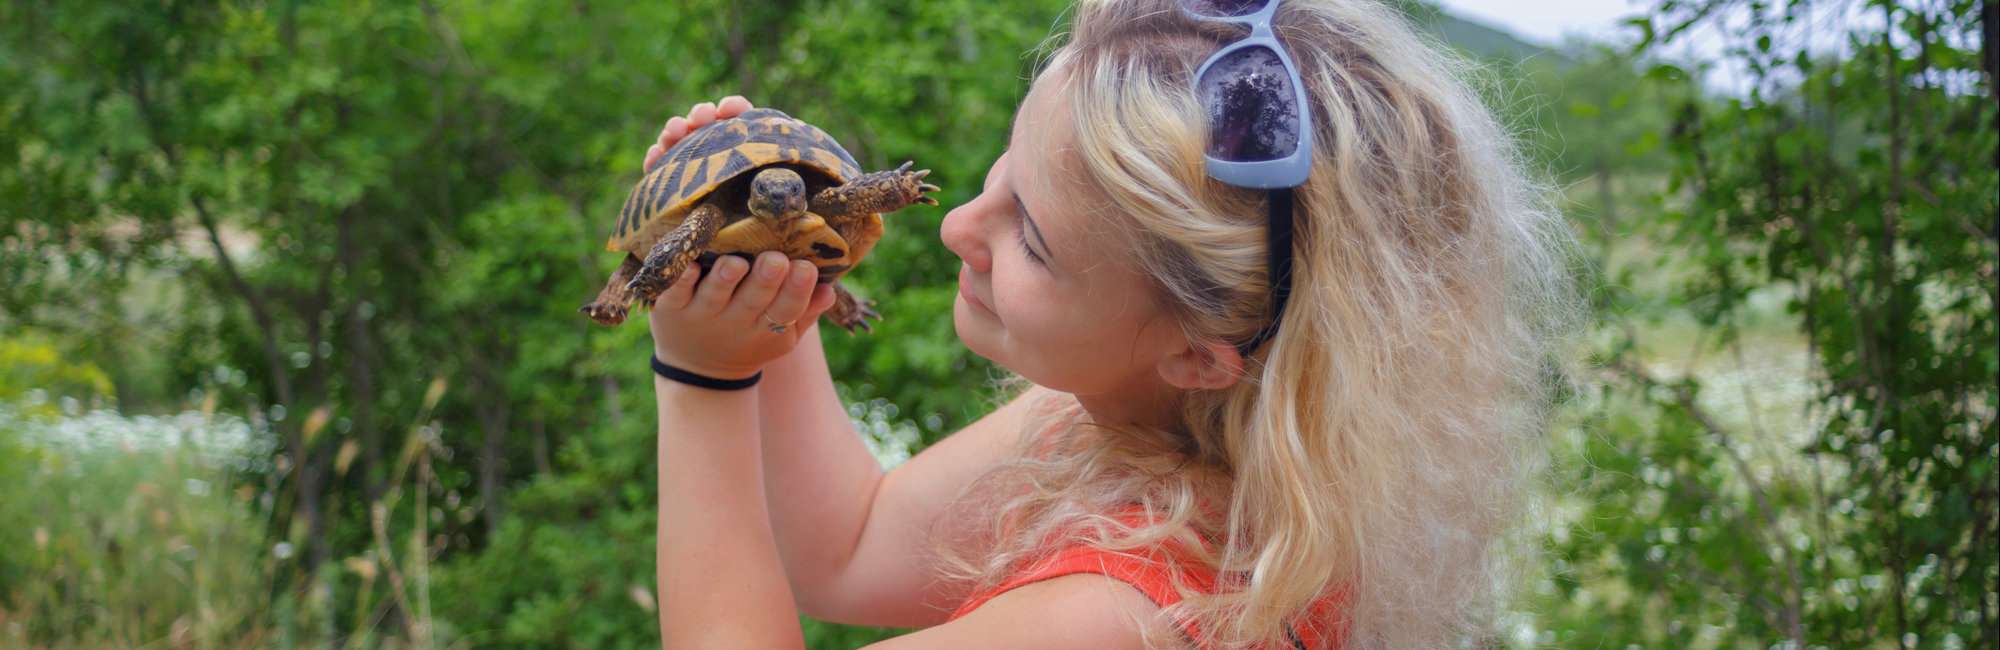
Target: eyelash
(1021,235)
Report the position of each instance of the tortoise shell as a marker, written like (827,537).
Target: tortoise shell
(716,154)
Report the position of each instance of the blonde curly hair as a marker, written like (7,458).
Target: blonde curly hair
(1384,445)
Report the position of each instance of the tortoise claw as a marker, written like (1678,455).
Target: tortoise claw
(861,324)
(635,290)
(905,166)
(857,320)
(927,200)
(604,313)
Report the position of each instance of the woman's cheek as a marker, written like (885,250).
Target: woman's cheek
(1035,315)
(1015,296)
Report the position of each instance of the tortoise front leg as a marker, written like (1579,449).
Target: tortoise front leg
(616,299)
(877,192)
(849,312)
(676,252)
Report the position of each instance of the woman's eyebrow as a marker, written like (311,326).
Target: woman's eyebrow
(1030,219)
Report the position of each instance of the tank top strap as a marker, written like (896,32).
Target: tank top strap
(1146,571)
(1149,571)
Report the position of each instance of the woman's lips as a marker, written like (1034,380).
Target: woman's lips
(964,289)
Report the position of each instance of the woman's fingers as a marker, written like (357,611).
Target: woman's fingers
(677,294)
(677,128)
(731,106)
(702,114)
(715,289)
(793,299)
(754,296)
(822,300)
(653,153)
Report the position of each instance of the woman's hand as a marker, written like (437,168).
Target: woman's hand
(703,114)
(729,322)
(719,323)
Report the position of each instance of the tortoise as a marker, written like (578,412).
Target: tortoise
(740,187)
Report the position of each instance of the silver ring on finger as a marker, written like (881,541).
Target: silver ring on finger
(775,326)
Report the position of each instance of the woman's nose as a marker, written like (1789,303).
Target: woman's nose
(965,237)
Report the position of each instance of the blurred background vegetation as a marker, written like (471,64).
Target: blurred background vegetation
(289,353)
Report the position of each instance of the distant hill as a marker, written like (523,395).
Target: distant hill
(1477,38)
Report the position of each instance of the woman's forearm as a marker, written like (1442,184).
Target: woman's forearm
(721,585)
(819,476)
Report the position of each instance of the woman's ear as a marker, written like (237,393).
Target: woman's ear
(1203,365)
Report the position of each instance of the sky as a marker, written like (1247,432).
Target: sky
(1546,21)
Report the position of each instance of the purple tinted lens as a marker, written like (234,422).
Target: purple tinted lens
(1253,114)
(1224,7)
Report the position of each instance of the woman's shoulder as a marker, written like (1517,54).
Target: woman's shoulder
(1163,572)
(1153,569)
(1072,611)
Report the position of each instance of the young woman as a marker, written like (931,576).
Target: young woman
(1224,442)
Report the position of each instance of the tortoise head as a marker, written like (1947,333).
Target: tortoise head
(778,193)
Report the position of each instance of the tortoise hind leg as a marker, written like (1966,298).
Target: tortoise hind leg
(676,252)
(849,312)
(615,300)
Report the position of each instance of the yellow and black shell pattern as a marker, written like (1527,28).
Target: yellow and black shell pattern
(714,155)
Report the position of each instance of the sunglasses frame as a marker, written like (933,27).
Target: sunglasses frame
(1290,171)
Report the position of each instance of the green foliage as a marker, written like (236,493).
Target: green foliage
(572,565)
(366,227)
(32,367)
(159,550)
(339,204)
(1850,199)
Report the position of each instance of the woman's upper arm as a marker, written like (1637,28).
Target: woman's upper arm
(891,580)
(1082,611)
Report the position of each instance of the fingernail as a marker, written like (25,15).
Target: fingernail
(732,268)
(803,273)
(768,267)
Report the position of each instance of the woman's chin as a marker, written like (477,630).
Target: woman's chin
(966,324)
(975,329)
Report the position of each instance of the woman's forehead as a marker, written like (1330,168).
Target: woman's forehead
(1030,147)
(1045,169)
(1038,160)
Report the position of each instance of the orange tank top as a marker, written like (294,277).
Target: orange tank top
(1147,572)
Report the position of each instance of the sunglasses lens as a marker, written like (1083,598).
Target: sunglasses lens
(1224,7)
(1253,113)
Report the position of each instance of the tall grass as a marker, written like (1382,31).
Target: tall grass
(154,532)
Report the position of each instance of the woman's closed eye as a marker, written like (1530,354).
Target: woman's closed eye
(1021,235)
(1024,224)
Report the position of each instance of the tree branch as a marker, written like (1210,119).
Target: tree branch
(1685,398)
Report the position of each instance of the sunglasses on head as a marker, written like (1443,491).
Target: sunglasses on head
(1258,129)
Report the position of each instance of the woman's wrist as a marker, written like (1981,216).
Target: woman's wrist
(713,372)
(670,373)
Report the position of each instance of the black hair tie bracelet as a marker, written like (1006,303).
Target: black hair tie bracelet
(703,381)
